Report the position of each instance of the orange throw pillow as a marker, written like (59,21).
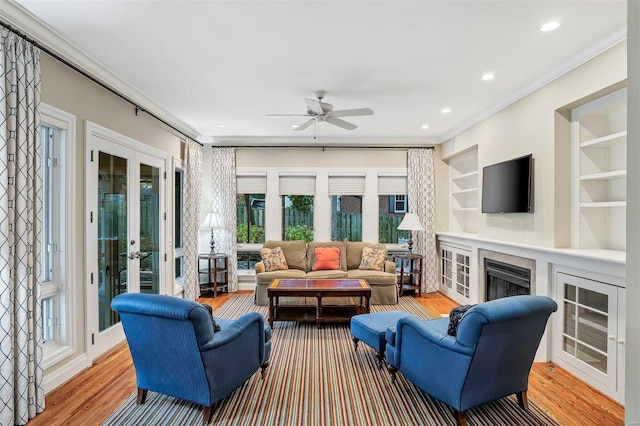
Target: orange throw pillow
(327,258)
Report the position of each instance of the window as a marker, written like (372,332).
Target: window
(392,204)
(398,203)
(346,206)
(57,151)
(297,193)
(178,237)
(250,218)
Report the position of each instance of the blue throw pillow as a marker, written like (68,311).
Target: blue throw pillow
(455,316)
(215,325)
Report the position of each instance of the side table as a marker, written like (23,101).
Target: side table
(410,276)
(216,272)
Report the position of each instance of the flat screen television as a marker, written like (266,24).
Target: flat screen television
(507,187)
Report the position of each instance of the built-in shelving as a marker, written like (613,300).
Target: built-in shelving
(599,133)
(464,191)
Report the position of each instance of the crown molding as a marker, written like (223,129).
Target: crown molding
(565,67)
(362,141)
(44,35)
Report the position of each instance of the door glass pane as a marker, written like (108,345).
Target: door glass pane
(112,224)
(149,229)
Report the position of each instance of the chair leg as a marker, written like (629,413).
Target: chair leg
(380,357)
(142,396)
(523,402)
(263,369)
(461,417)
(393,371)
(355,343)
(207,413)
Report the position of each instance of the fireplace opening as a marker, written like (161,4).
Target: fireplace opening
(504,280)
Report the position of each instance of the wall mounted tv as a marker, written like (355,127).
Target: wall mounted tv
(507,187)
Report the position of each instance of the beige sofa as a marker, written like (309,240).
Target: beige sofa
(300,258)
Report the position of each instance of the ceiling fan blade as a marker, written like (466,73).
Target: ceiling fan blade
(341,123)
(314,106)
(305,124)
(287,115)
(352,112)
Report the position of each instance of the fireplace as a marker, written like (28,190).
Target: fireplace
(505,279)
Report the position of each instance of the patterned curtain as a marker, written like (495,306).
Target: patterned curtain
(223,201)
(21,391)
(422,196)
(191,216)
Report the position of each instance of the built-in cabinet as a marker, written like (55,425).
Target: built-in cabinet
(464,191)
(589,332)
(599,140)
(455,267)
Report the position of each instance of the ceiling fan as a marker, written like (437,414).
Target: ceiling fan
(321,111)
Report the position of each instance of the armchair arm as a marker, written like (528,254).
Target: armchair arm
(390,267)
(429,330)
(238,327)
(260,267)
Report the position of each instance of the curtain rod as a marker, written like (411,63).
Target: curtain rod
(323,147)
(93,79)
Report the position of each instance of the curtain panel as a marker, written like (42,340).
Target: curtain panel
(191,216)
(21,391)
(422,196)
(223,202)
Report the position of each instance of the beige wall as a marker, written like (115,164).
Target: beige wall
(317,157)
(531,126)
(69,91)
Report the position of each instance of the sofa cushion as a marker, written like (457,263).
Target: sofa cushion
(311,253)
(265,278)
(327,274)
(373,259)
(373,277)
(326,258)
(354,252)
(294,252)
(273,259)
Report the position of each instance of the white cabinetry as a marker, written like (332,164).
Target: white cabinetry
(599,134)
(455,267)
(589,332)
(464,191)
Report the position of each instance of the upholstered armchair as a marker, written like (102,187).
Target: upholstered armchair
(176,352)
(489,358)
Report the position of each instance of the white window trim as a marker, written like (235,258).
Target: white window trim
(54,353)
(178,283)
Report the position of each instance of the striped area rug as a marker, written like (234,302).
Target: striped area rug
(316,378)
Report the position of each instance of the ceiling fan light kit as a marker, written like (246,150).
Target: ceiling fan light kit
(323,112)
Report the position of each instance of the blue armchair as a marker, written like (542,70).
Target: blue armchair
(176,352)
(490,357)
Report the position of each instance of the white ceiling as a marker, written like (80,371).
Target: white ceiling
(210,63)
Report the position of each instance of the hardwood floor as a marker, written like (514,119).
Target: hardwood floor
(90,397)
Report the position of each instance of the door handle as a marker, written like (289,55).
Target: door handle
(134,255)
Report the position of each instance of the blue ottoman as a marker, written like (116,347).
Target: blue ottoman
(371,329)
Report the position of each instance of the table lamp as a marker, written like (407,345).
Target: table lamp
(211,221)
(410,222)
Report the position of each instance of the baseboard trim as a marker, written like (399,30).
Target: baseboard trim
(247,286)
(63,374)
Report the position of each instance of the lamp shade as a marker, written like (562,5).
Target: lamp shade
(211,221)
(410,222)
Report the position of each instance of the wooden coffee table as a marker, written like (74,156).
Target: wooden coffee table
(318,289)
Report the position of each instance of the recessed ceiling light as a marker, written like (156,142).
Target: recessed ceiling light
(550,26)
(425,126)
(221,126)
(445,110)
(487,77)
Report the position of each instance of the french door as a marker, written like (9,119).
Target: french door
(125,231)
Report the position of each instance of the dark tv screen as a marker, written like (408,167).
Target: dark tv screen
(507,186)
